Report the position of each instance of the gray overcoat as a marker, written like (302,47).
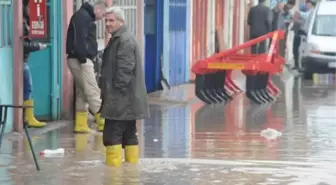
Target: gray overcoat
(124,93)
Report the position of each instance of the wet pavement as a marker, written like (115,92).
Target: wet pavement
(187,143)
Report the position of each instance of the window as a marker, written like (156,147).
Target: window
(325,25)
(5,23)
(131,12)
(100,24)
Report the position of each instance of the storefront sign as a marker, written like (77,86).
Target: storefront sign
(38,18)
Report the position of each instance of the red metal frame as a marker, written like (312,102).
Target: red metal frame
(249,63)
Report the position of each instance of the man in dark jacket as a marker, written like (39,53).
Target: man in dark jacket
(123,90)
(82,48)
(28,47)
(260,21)
(278,21)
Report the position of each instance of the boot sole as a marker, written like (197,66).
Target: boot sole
(29,126)
(81,132)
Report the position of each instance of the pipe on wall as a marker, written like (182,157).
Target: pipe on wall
(18,63)
(67,80)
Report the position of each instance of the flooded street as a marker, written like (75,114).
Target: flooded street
(188,143)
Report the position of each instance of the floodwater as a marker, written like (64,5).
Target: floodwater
(193,144)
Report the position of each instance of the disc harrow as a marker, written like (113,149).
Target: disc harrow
(214,83)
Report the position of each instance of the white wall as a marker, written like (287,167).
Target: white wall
(242,21)
(229,5)
(211,27)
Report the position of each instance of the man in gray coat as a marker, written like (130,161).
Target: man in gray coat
(124,93)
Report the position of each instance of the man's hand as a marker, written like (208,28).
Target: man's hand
(296,15)
(42,46)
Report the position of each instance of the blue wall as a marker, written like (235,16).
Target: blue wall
(166,27)
(6,81)
(46,68)
(153,20)
(177,41)
(6,59)
(176,132)
(176,45)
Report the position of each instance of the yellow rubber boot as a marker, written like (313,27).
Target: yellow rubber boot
(34,140)
(29,116)
(132,175)
(114,176)
(113,155)
(81,142)
(81,125)
(99,144)
(100,122)
(132,154)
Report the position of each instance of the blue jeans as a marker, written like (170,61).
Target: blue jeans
(27,83)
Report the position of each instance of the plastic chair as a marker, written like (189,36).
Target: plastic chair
(3,119)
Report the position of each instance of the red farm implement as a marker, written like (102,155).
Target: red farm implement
(213,83)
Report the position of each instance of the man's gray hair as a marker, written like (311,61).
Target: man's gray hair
(119,12)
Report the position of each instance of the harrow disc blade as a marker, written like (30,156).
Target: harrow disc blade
(262,88)
(252,88)
(209,88)
(272,89)
(220,79)
(199,89)
(231,85)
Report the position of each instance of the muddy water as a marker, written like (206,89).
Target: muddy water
(200,145)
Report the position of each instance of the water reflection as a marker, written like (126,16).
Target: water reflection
(232,131)
(175,139)
(152,133)
(167,132)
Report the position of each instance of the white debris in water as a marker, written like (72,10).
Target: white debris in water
(216,181)
(151,166)
(194,169)
(224,171)
(155,140)
(270,134)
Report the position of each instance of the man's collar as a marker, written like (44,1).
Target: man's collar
(119,32)
(90,10)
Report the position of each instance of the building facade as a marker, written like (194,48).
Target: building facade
(6,57)
(46,65)
(172,34)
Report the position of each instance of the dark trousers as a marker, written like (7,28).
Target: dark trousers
(296,46)
(257,82)
(118,132)
(282,47)
(258,48)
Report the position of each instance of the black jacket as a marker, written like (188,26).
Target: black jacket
(260,20)
(28,44)
(81,42)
